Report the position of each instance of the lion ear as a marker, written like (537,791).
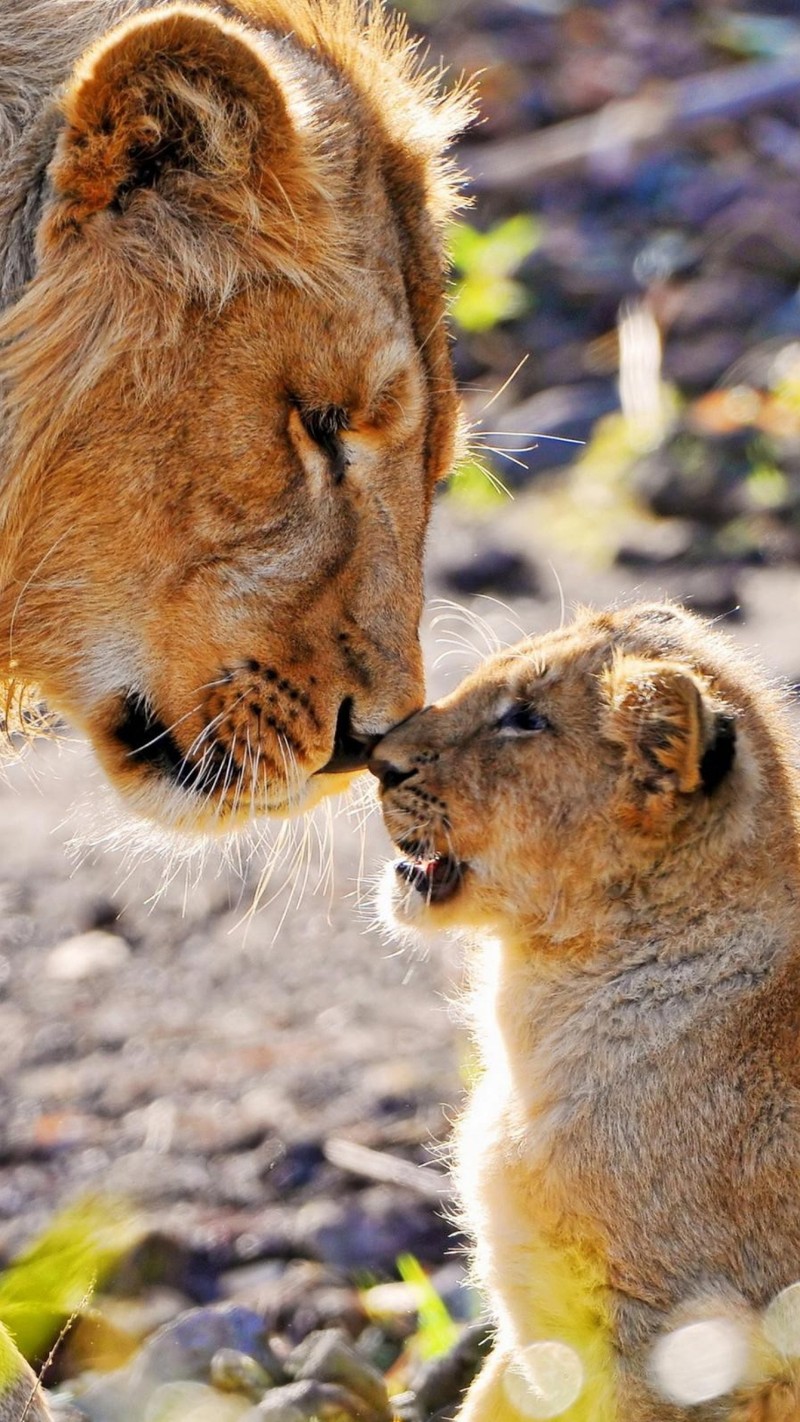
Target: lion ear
(183,103)
(677,739)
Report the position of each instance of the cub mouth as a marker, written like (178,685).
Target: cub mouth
(437,878)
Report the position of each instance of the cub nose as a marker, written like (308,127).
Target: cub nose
(389,775)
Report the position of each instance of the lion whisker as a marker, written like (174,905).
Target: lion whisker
(527,434)
(502,454)
(515,372)
(167,731)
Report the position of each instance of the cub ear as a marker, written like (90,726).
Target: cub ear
(677,739)
(181,103)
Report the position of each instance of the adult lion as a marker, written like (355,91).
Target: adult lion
(226,387)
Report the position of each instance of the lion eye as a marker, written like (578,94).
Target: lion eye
(523,720)
(325,427)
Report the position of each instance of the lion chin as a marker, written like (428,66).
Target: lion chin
(227,392)
(186,813)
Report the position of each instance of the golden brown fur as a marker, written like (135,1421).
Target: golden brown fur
(225,387)
(622,801)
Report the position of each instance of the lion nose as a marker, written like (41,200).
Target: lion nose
(350,748)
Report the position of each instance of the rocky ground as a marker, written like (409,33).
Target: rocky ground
(653,149)
(269,1090)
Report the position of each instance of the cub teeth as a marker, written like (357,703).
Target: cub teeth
(413,874)
(435,878)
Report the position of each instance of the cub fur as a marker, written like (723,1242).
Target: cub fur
(226,393)
(613,810)
(21,1397)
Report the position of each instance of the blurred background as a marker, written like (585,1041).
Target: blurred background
(634,239)
(212,1042)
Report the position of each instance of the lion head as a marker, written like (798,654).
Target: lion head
(227,399)
(631,759)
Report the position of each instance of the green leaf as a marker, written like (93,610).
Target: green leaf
(498,252)
(481,303)
(465,246)
(437,1331)
(767,486)
(57,1274)
(487,293)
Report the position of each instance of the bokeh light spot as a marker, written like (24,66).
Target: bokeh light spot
(547,1379)
(782,1321)
(700,1361)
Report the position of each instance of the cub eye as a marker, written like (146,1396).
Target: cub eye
(325,427)
(523,719)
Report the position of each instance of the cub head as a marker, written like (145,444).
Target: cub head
(581,775)
(227,398)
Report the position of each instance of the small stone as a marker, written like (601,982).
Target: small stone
(690,478)
(760,236)
(141,1316)
(298,1299)
(725,298)
(713,592)
(493,569)
(193,1402)
(656,543)
(383,1346)
(232,1371)
(664,255)
(85,955)
(162,1259)
(441,1381)
(396,1299)
(699,361)
(366,1233)
(310,1402)
(328,1357)
(406,1408)
(184,1349)
(252,1283)
(295,1167)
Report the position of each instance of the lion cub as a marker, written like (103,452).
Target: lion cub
(613,809)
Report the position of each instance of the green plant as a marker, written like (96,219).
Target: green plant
(56,1276)
(486,292)
(476,485)
(767,486)
(437,1331)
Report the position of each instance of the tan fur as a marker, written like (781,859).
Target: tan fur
(630,1161)
(231,222)
(21,1399)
